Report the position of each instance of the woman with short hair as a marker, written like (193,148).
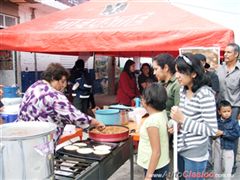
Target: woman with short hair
(44,101)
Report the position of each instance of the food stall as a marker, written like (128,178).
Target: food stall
(128,29)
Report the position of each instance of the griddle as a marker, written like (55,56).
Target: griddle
(90,144)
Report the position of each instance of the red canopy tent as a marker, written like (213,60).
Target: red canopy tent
(131,28)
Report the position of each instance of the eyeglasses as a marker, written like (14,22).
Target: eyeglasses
(186,59)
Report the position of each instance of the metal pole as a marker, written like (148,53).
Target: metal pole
(34,54)
(94,59)
(35,66)
(175,153)
(131,159)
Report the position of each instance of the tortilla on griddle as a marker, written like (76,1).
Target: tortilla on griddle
(85,150)
(80,144)
(71,148)
(101,152)
(102,147)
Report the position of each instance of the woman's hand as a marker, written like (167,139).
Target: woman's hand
(94,109)
(170,126)
(177,115)
(99,125)
(1,91)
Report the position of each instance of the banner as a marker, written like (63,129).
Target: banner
(212,54)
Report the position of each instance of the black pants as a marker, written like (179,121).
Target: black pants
(81,103)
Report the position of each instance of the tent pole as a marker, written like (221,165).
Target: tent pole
(94,59)
(35,66)
(175,153)
(111,75)
(33,16)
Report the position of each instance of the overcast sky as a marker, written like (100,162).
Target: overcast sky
(225,12)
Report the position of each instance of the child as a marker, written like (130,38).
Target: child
(153,149)
(228,132)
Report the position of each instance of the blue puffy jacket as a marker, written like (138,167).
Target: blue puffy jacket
(230,130)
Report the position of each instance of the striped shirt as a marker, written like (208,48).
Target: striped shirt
(199,124)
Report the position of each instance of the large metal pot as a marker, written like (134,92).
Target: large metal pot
(27,150)
(117,137)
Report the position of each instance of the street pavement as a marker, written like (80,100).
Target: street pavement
(123,173)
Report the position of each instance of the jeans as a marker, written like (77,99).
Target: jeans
(159,174)
(223,160)
(191,170)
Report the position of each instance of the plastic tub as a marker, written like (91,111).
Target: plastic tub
(9,113)
(10,92)
(11,101)
(8,118)
(108,116)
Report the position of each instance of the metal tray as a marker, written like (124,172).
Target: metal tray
(92,156)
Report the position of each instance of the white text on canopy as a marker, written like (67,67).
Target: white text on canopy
(103,23)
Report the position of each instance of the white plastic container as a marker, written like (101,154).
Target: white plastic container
(27,150)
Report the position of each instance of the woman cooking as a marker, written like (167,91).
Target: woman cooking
(44,101)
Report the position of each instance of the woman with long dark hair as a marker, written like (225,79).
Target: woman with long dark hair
(196,116)
(127,86)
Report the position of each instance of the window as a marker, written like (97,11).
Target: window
(6,57)
(1,21)
(6,20)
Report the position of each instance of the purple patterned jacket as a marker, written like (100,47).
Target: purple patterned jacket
(41,102)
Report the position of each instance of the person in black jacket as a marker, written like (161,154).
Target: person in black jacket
(82,86)
(228,132)
(213,78)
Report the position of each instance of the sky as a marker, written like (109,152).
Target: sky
(224,12)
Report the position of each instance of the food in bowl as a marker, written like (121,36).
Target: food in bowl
(110,130)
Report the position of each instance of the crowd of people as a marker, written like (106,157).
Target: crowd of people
(204,104)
